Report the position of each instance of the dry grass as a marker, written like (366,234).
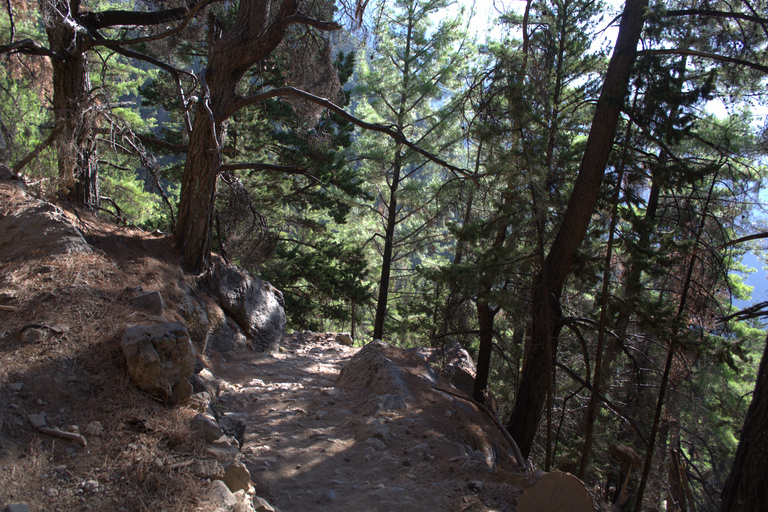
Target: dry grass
(74,373)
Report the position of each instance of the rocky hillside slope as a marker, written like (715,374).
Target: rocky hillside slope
(305,422)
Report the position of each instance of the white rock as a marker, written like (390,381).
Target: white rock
(91,486)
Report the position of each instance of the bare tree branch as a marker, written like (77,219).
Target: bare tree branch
(302,19)
(176,73)
(146,58)
(124,18)
(118,213)
(607,402)
(262,167)
(737,241)
(93,21)
(715,14)
(391,131)
(105,19)
(29,47)
(176,148)
(756,311)
(584,349)
(10,17)
(705,55)
(150,164)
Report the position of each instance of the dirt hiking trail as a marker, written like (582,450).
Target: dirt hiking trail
(312,446)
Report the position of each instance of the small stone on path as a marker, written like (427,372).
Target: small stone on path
(91,486)
(236,476)
(94,428)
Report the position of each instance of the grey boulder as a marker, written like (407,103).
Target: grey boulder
(373,371)
(160,359)
(254,304)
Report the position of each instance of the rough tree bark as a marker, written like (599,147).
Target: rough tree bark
(746,489)
(485,318)
(253,37)
(72,103)
(259,28)
(548,286)
(71,34)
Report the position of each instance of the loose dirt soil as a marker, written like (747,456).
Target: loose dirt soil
(311,446)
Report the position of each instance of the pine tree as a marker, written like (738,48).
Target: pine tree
(549,283)
(528,112)
(406,83)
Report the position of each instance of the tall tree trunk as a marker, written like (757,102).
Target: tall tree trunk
(746,489)
(397,163)
(548,286)
(534,382)
(485,315)
(248,41)
(198,190)
(451,309)
(673,350)
(485,318)
(73,106)
(602,364)
(637,398)
(676,500)
(389,242)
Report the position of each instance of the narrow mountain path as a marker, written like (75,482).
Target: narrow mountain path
(310,446)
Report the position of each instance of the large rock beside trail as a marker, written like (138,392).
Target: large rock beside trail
(39,228)
(228,337)
(454,362)
(372,370)
(254,304)
(196,319)
(160,359)
(216,497)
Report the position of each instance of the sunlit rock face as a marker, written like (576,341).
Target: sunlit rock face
(254,304)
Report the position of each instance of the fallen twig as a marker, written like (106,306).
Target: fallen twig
(179,465)
(66,435)
(38,421)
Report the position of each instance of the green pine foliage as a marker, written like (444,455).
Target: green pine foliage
(681,184)
(25,116)
(409,78)
(528,118)
(287,227)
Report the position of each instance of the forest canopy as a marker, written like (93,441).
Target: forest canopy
(572,208)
